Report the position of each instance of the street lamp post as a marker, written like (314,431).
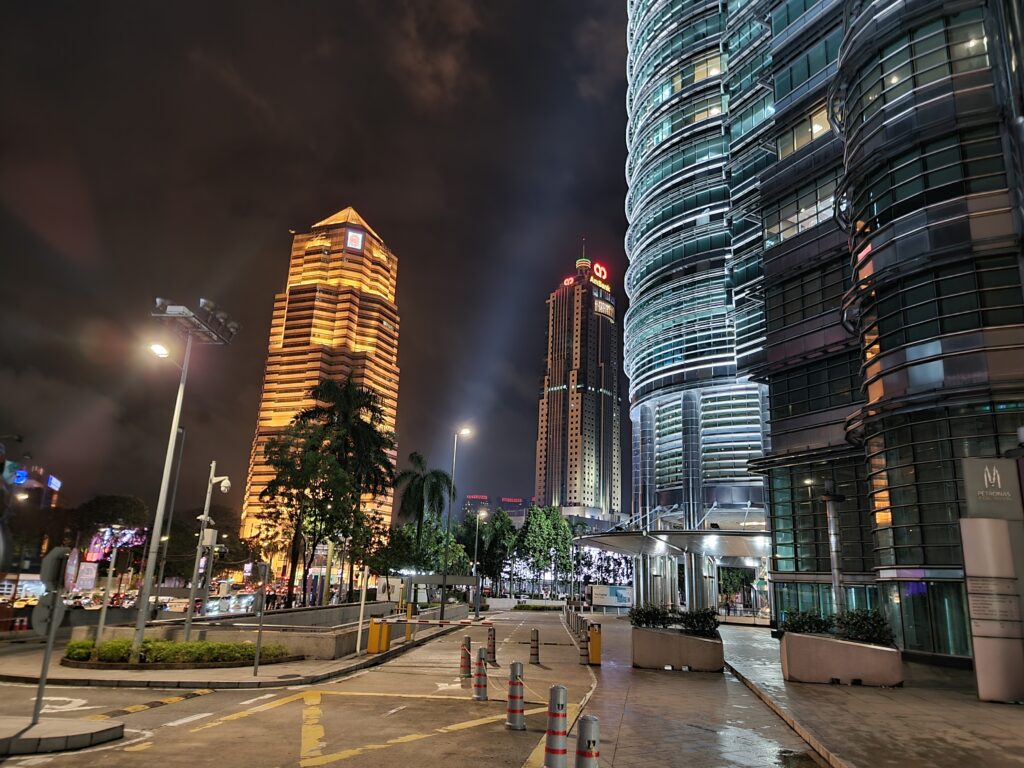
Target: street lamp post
(464,432)
(204,520)
(165,539)
(476,547)
(106,590)
(210,326)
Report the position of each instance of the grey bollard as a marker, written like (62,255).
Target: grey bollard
(466,658)
(480,676)
(585,644)
(588,742)
(535,646)
(515,714)
(555,749)
(492,653)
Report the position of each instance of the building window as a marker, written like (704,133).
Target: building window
(807,64)
(751,117)
(958,164)
(808,295)
(807,207)
(928,53)
(804,132)
(823,384)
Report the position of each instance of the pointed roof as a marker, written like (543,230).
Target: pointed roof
(347,216)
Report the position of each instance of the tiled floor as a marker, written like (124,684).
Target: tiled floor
(935,720)
(685,719)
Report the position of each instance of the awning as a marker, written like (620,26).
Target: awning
(717,543)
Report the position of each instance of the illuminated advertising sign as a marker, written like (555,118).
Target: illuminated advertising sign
(477,497)
(569,281)
(53,483)
(512,499)
(602,285)
(600,272)
(103,541)
(20,476)
(354,240)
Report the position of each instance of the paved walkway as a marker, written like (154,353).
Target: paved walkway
(935,720)
(685,719)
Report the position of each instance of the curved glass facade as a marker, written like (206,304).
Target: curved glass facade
(930,200)
(697,420)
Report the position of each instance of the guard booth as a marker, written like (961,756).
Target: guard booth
(411,584)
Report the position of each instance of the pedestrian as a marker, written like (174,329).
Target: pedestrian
(728,607)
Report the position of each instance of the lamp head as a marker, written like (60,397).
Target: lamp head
(225,485)
(159,350)
(465,432)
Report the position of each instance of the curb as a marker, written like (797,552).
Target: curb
(366,663)
(805,733)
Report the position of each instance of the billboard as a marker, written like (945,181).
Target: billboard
(104,540)
(611,595)
(87,573)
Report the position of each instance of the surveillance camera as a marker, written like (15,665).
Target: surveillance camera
(161,305)
(225,485)
(207,305)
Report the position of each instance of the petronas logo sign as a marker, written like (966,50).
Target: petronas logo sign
(992,488)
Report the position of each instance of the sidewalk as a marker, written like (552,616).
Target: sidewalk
(691,719)
(935,720)
(24,668)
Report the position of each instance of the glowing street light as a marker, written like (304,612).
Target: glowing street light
(159,350)
(463,432)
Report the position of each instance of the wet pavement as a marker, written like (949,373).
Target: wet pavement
(686,719)
(934,720)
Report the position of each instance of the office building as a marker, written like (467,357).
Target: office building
(335,318)
(578,442)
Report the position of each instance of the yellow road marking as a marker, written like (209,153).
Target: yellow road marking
(139,747)
(312,729)
(251,711)
(345,754)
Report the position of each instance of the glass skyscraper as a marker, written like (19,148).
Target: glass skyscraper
(826,199)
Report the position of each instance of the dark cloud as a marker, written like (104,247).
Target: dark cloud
(166,149)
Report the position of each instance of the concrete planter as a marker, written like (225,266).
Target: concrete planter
(821,659)
(175,665)
(661,648)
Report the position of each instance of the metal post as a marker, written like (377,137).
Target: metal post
(106,598)
(325,588)
(448,528)
(362,610)
(476,570)
(53,596)
(585,643)
(515,717)
(831,499)
(535,646)
(492,656)
(161,504)
(588,742)
(480,676)
(466,657)
(165,539)
(264,577)
(555,744)
(190,608)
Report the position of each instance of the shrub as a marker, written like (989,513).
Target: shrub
(114,651)
(650,615)
(805,622)
(701,623)
(79,650)
(864,626)
(534,608)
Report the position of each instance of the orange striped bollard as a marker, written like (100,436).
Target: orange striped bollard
(555,744)
(480,676)
(466,657)
(515,717)
(588,742)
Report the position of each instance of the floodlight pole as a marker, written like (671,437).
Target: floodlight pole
(158,524)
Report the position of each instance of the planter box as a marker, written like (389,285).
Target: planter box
(174,665)
(660,648)
(820,659)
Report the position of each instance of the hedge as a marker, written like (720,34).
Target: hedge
(171,652)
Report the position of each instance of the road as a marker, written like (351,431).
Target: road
(413,710)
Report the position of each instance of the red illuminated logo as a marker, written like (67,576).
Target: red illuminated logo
(569,281)
(600,272)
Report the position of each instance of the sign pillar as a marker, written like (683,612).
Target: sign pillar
(992,535)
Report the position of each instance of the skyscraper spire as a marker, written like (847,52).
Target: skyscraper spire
(583,262)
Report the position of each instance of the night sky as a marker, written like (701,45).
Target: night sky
(165,149)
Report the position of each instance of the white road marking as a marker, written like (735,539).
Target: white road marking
(447,687)
(26,761)
(188,719)
(68,705)
(258,698)
(392,711)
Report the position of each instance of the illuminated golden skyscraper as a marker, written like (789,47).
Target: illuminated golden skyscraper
(336,317)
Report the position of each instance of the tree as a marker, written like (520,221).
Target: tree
(499,542)
(733,580)
(560,543)
(424,492)
(533,544)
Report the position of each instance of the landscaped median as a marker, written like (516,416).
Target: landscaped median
(167,654)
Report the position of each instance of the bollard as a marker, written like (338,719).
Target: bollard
(535,646)
(594,644)
(584,647)
(466,657)
(555,744)
(492,657)
(588,742)
(515,717)
(480,676)
(408,622)
(373,636)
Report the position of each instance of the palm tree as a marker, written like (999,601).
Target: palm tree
(354,419)
(424,491)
